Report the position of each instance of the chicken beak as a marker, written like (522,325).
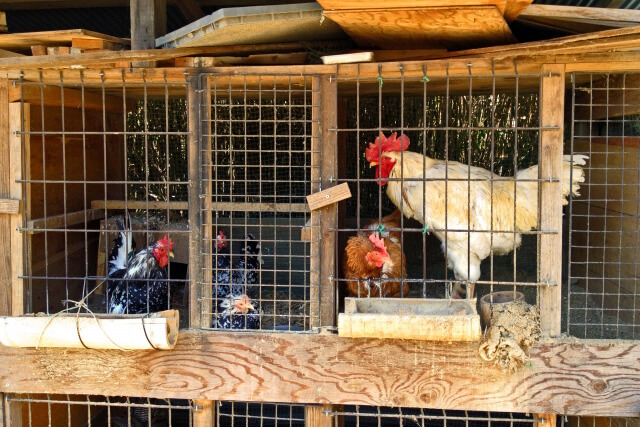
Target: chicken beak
(171,254)
(372,164)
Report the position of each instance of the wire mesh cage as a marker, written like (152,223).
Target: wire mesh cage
(461,139)
(35,410)
(254,414)
(258,136)
(602,275)
(360,415)
(105,182)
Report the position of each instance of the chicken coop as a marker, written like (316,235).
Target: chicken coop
(337,241)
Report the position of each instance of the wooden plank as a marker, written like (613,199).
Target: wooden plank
(348,58)
(381,4)
(314,221)
(148,21)
(95,44)
(24,41)
(550,245)
(38,50)
(141,55)
(572,12)
(206,182)
(328,214)
(329,196)
(3,23)
(8,54)
(58,50)
(442,27)
(406,54)
(547,420)
(17,114)
(266,367)
(10,206)
(138,204)
(70,219)
(5,192)
(52,96)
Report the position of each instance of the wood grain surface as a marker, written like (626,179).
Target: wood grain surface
(569,378)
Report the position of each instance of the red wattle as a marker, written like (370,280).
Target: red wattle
(380,183)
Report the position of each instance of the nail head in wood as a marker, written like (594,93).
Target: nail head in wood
(329,196)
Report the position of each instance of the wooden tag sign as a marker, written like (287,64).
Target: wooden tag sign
(328,196)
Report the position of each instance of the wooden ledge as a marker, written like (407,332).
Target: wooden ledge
(571,378)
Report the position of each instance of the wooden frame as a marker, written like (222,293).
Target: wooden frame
(600,377)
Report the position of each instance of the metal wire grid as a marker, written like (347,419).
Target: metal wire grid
(584,421)
(94,153)
(602,275)
(388,416)
(249,414)
(484,121)
(257,144)
(72,410)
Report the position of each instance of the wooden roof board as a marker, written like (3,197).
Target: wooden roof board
(435,27)
(382,4)
(24,41)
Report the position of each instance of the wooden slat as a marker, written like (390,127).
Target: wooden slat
(329,196)
(138,204)
(443,27)
(315,416)
(71,218)
(9,54)
(348,58)
(314,221)
(601,378)
(259,59)
(52,96)
(10,206)
(514,8)
(328,214)
(549,420)
(550,245)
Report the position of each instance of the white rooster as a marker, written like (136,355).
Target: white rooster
(421,195)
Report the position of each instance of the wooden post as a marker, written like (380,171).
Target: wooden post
(325,162)
(314,236)
(17,112)
(549,420)
(315,416)
(195,215)
(148,21)
(550,245)
(5,190)
(206,416)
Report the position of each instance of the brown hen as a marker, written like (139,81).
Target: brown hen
(378,259)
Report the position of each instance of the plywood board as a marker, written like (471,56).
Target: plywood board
(24,41)
(380,4)
(442,27)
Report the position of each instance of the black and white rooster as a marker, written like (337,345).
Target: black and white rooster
(237,312)
(241,271)
(137,282)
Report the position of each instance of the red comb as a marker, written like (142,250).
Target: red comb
(384,144)
(379,243)
(166,242)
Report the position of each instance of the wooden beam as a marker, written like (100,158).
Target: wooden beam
(601,378)
(550,245)
(572,12)
(10,206)
(54,96)
(190,9)
(148,21)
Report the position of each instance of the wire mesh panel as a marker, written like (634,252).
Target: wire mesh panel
(105,183)
(258,136)
(603,296)
(440,211)
(248,414)
(387,416)
(76,410)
